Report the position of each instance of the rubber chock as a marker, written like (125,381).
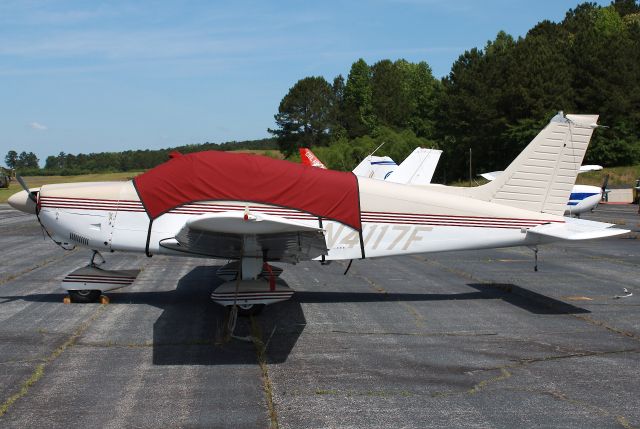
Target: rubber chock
(66,299)
(104,299)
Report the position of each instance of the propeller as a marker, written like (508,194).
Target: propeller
(23,206)
(32,196)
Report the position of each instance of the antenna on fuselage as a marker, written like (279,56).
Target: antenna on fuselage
(376,149)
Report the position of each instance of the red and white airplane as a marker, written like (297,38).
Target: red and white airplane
(256,210)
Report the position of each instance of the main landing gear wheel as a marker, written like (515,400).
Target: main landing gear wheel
(246,310)
(85,295)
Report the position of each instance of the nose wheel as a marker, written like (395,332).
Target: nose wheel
(84,295)
(246,310)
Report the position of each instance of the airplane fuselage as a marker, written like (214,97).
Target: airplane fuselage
(396,219)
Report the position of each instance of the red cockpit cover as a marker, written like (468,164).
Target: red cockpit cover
(224,176)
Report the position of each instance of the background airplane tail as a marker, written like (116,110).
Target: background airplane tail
(309,158)
(541,177)
(417,168)
(375,167)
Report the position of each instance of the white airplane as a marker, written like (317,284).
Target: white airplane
(583,198)
(416,169)
(256,210)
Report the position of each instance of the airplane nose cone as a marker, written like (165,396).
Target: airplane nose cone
(21,201)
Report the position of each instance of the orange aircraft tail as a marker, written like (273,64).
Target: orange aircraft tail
(308,158)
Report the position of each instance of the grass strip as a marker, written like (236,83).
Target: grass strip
(266,381)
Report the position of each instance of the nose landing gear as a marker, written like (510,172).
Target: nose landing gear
(86,284)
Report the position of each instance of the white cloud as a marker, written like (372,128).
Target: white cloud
(37,126)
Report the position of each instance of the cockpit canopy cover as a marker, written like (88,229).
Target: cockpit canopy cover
(225,176)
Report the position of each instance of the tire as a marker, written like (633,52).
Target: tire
(250,309)
(85,295)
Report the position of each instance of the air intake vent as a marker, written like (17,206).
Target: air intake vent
(79,238)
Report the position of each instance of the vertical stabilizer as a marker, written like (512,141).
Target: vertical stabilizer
(417,168)
(375,167)
(309,158)
(541,177)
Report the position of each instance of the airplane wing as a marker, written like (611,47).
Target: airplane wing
(576,229)
(233,235)
(585,168)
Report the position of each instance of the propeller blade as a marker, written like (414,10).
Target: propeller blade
(26,188)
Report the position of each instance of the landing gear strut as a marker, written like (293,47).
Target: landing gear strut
(251,284)
(88,295)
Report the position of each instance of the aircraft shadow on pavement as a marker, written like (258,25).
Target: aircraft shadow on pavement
(189,330)
(513,294)
(526,299)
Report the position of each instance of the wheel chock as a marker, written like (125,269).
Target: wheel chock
(66,299)
(104,299)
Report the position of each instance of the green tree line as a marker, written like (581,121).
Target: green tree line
(494,100)
(130,160)
(24,160)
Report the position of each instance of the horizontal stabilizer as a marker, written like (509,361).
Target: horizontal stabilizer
(577,229)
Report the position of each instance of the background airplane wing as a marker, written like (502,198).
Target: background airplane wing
(232,235)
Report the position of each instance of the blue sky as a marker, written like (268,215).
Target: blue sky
(90,76)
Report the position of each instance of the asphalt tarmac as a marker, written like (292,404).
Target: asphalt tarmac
(464,339)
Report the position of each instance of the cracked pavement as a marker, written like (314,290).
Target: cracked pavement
(463,339)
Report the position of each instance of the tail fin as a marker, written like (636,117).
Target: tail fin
(308,158)
(417,168)
(541,177)
(375,167)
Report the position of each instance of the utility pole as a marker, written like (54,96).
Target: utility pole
(470,158)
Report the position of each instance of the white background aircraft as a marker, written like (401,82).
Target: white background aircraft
(257,210)
(416,169)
